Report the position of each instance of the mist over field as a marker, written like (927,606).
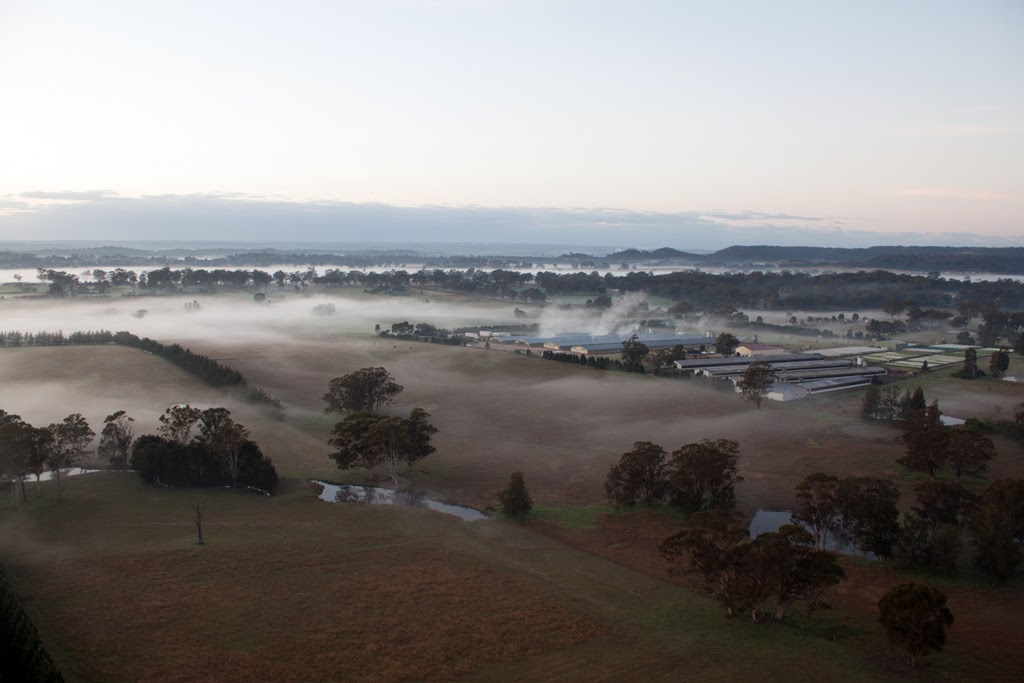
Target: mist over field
(240,318)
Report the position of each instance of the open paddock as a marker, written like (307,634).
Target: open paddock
(291,588)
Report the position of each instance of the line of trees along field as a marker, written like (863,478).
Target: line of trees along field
(205,368)
(208,370)
(22,654)
(219,453)
(959,259)
(767,574)
(194,448)
(759,290)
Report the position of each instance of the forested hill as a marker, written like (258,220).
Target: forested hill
(663,254)
(1009,260)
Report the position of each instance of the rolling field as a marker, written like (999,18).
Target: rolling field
(291,588)
(335,591)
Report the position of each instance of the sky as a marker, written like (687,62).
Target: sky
(643,123)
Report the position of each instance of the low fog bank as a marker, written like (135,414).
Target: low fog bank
(236,317)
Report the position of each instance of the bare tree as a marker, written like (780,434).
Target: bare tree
(198,509)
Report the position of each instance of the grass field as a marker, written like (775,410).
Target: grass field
(120,592)
(291,588)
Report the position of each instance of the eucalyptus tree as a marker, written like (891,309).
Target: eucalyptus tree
(116,439)
(71,438)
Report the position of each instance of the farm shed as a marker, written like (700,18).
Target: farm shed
(755,349)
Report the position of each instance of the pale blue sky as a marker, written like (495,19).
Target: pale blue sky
(896,117)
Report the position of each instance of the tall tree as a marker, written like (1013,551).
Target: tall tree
(633,353)
(420,434)
(349,441)
(515,499)
(945,502)
(177,422)
(374,441)
(14,455)
(757,382)
(868,516)
(714,545)
(224,438)
(916,546)
(790,569)
(1007,495)
(999,362)
(817,507)
(927,441)
(917,400)
(968,452)
(389,437)
(970,370)
(995,527)
(871,408)
(39,441)
(726,344)
(915,617)
(198,511)
(364,390)
(640,474)
(703,475)
(116,439)
(71,438)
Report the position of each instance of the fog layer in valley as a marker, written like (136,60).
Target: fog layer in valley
(238,317)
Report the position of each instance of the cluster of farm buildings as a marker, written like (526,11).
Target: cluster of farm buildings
(799,374)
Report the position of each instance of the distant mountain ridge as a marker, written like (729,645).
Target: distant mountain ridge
(1008,260)
(663,254)
(998,260)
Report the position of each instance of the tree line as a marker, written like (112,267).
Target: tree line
(765,575)
(26,450)
(208,370)
(211,372)
(424,332)
(58,338)
(23,657)
(219,453)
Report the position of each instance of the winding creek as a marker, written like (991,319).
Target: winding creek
(374,495)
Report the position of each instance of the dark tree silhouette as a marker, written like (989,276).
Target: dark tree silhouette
(641,474)
(757,382)
(515,498)
(915,617)
(703,475)
(364,390)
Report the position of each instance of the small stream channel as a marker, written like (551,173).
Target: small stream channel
(374,495)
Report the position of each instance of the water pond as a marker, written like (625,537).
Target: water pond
(769,521)
(374,495)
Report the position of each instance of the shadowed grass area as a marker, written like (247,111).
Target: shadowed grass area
(573,516)
(291,588)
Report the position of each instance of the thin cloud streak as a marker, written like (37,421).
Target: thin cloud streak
(950,193)
(68,195)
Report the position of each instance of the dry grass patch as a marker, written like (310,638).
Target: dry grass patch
(295,611)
